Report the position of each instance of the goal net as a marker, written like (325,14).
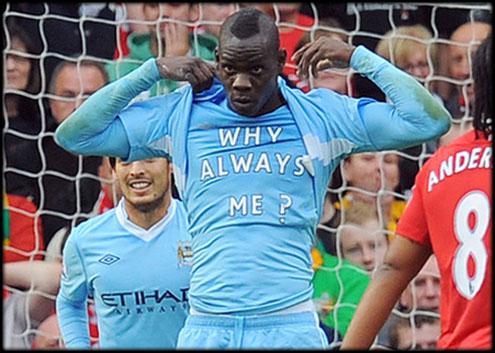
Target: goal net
(100,32)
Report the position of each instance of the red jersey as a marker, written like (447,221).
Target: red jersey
(450,211)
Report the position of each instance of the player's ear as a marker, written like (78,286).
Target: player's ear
(282,57)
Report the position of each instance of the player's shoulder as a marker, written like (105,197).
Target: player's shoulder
(94,225)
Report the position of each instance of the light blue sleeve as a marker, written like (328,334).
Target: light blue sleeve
(71,302)
(93,129)
(414,116)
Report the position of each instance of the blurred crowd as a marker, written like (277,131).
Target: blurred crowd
(57,54)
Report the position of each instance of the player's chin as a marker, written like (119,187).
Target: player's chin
(247,108)
(145,204)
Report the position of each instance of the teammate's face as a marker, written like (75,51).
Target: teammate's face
(74,85)
(248,69)
(144,184)
(364,245)
(424,292)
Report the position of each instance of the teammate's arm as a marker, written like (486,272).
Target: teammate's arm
(71,303)
(402,262)
(89,128)
(414,117)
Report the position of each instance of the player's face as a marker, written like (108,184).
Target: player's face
(364,244)
(249,69)
(144,184)
(74,86)
(18,67)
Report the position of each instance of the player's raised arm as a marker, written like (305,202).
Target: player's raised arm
(414,115)
(89,128)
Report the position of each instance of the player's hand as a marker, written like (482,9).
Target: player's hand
(194,70)
(321,54)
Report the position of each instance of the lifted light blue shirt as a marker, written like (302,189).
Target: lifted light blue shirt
(253,187)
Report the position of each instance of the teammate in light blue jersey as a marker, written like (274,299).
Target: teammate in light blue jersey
(133,260)
(252,161)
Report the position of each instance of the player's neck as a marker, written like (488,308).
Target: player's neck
(148,218)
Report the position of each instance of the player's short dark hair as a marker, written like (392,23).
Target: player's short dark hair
(482,76)
(249,22)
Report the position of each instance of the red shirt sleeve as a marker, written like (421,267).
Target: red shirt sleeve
(413,224)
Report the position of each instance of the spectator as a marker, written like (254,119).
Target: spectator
(336,77)
(25,308)
(422,336)
(169,35)
(132,17)
(362,240)
(289,20)
(362,177)
(22,229)
(211,15)
(70,182)
(410,48)
(340,281)
(48,334)
(338,287)
(423,293)
(464,41)
(23,115)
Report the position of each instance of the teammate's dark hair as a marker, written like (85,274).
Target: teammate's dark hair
(482,75)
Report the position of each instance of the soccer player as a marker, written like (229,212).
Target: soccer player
(252,160)
(450,215)
(130,260)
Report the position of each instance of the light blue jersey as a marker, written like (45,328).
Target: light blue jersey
(139,280)
(254,187)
